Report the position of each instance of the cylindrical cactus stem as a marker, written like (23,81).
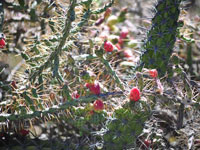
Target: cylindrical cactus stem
(159,44)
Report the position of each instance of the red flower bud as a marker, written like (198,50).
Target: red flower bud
(87,85)
(94,87)
(153,73)
(98,105)
(2,43)
(108,46)
(134,94)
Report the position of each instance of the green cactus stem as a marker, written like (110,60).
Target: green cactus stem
(4,117)
(112,72)
(159,44)
(124,129)
(66,31)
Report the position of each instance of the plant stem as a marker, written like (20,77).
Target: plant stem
(66,31)
(55,108)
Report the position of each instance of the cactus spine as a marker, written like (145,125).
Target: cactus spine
(159,44)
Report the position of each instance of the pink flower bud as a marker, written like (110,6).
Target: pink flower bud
(134,94)
(108,46)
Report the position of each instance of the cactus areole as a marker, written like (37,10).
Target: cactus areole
(161,37)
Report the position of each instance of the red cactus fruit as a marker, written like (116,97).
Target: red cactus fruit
(94,87)
(98,105)
(134,94)
(108,46)
(87,85)
(153,73)
(2,43)
(75,95)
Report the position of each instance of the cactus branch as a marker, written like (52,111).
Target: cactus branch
(159,44)
(112,72)
(14,117)
(66,31)
(104,8)
(87,14)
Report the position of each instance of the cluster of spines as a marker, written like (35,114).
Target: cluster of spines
(161,37)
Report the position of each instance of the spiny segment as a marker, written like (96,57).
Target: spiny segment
(124,129)
(159,44)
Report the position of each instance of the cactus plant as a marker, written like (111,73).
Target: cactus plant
(160,40)
(128,122)
(127,125)
(124,129)
(38,65)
